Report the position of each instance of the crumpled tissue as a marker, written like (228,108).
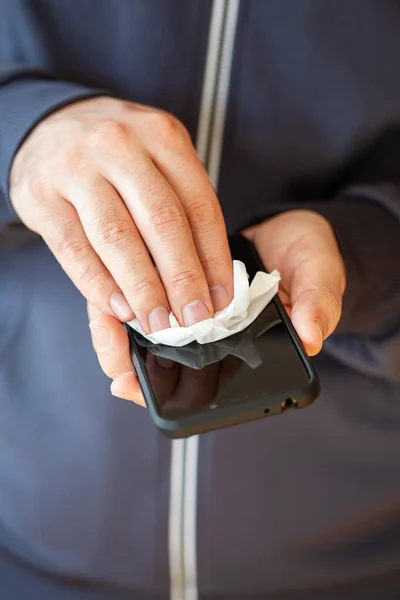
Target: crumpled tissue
(242,345)
(248,302)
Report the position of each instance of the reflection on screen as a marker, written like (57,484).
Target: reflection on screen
(255,363)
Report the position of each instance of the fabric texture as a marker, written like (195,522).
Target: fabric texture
(312,122)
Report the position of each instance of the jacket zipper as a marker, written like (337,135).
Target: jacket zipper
(184,457)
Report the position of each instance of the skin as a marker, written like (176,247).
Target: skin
(302,246)
(105,181)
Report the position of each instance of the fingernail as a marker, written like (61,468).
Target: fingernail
(194,312)
(100,337)
(159,319)
(320,326)
(119,389)
(219,297)
(120,392)
(164,363)
(119,304)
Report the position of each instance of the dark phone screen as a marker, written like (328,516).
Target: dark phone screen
(258,362)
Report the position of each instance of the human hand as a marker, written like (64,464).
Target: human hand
(302,246)
(176,386)
(102,179)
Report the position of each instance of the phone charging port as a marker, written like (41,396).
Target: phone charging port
(288,403)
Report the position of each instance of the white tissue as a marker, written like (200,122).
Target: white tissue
(248,302)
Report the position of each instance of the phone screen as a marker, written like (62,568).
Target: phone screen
(258,362)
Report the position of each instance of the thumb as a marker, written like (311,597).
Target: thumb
(303,247)
(316,307)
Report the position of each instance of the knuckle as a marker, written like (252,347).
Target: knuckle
(215,264)
(135,108)
(203,214)
(114,233)
(73,251)
(144,286)
(89,278)
(39,188)
(168,220)
(72,159)
(187,278)
(35,187)
(333,306)
(167,128)
(331,298)
(336,309)
(110,133)
(112,372)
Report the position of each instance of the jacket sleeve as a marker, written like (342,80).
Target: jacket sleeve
(27,96)
(366,221)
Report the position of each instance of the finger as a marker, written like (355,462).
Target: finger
(303,247)
(285,299)
(111,344)
(92,311)
(116,239)
(316,296)
(184,171)
(127,387)
(64,234)
(163,224)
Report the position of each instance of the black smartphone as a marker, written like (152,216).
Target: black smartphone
(259,372)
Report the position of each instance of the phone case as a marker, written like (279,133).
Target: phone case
(237,413)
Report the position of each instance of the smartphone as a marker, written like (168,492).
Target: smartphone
(259,372)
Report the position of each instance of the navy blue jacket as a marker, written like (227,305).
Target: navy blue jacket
(306,505)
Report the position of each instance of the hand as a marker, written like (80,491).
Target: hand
(111,344)
(103,181)
(175,385)
(302,246)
